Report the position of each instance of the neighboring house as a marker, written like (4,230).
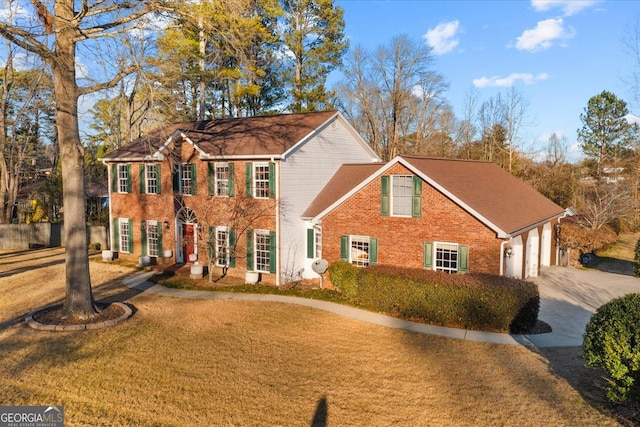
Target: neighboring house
(448,215)
(230,189)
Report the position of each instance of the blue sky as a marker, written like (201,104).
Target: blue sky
(558,53)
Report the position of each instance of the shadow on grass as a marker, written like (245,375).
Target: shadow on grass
(321,415)
(568,363)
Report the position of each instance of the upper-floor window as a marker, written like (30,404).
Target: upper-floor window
(222,179)
(401,195)
(184,179)
(260,180)
(123,178)
(150,178)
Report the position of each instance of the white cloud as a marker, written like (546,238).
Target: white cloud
(569,7)
(632,119)
(543,35)
(444,37)
(510,80)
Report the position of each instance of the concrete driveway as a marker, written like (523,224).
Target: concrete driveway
(569,296)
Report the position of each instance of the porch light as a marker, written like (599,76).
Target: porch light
(508,251)
(166,224)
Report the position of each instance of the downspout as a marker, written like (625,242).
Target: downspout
(109,188)
(278,238)
(564,215)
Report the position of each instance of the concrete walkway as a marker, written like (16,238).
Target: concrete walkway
(568,297)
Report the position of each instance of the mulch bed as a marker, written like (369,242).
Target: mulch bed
(53,315)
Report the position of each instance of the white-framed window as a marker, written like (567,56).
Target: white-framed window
(186,179)
(222,174)
(261,180)
(317,232)
(124,235)
(222,246)
(359,250)
(151,178)
(152,238)
(124,180)
(446,257)
(401,195)
(262,247)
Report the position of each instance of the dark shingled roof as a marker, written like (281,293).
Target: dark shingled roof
(260,136)
(486,190)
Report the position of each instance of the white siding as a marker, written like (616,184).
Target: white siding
(302,175)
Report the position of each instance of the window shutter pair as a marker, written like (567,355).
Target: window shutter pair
(385,183)
(143,178)
(272,251)
(211,181)
(248,176)
(177,179)
(373,249)
(463,257)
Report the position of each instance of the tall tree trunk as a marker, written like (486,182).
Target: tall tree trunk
(79,301)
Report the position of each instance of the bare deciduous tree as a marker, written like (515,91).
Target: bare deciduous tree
(54,36)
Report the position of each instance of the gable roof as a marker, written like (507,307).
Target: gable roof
(492,195)
(245,137)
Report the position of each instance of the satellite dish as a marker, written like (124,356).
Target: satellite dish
(320,266)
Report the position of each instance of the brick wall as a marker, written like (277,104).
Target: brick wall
(400,240)
(209,210)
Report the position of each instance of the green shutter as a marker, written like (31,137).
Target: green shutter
(142,186)
(427,256)
(232,248)
(143,237)
(159,178)
(250,250)
(128,178)
(384,196)
(463,259)
(159,228)
(114,178)
(248,177)
(373,251)
(212,244)
(272,180)
(310,243)
(175,179)
(344,248)
(273,251)
(194,180)
(211,179)
(131,237)
(232,187)
(417,197)
(115,244)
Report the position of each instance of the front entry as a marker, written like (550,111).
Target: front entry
(188,241)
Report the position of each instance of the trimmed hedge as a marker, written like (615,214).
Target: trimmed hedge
(471,301)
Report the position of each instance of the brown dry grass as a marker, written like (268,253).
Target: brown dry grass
(223,362)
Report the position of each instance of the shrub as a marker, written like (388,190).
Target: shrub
(636,260)
(612,342)
(344,276)
(473,301)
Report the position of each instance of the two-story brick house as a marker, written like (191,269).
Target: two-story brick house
(441,214)
(230,189)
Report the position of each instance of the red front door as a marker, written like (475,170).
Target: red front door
(188,240)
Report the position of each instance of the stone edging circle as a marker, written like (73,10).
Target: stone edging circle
(98,325)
